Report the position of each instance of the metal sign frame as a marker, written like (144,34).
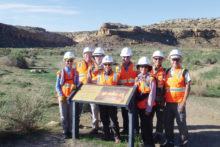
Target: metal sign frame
(129,105)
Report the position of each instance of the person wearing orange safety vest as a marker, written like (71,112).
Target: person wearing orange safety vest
(67,79)
(159,73)
(177,88)
(98,55)
(108,77)
(145,99)
(128,72)
(83,68)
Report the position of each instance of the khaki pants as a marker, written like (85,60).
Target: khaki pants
(66,115)
(94,115)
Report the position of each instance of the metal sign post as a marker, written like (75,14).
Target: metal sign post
(119,96)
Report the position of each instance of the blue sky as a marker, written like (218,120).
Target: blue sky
(87,15)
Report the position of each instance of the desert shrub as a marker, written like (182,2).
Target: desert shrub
(198,90)
(211,60)
(4,51)
(24,113)
(17,59)
(196,62)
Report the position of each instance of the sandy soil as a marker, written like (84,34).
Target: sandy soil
(203,118)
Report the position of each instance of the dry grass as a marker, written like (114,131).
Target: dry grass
(23,112)
(199,84)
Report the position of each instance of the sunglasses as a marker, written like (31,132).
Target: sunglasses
(107,64)
(144,66)
(69,61)
(159,59)
(176,59)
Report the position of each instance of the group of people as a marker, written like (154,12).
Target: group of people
(161,91)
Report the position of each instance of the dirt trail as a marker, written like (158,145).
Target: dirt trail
(203,119)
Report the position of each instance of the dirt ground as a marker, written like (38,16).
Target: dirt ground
(203,119)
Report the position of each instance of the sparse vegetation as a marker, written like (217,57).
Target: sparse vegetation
(23,113)
(25,106)
(17,59)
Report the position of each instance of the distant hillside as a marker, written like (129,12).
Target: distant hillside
(179,32)
(19,36)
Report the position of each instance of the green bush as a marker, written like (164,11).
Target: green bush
(24,113)
(17,59)
(4,51)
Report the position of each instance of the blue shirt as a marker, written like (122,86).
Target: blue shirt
(58,86)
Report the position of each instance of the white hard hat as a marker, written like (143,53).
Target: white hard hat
(69,55)
(107,59)
(158,54)
(98,51)
(175,53)
(126,52)
(87,49)
(144,61)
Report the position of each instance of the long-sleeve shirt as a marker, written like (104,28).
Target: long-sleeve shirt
(152,93)
(58,86)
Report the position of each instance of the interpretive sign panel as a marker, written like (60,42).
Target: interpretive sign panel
(108,95)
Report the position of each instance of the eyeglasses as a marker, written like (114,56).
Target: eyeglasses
(159,59)
(144,66)
(176,59)
(69,61)
(107,64)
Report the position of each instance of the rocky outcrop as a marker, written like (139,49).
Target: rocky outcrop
(179,32)
(173,32)
(12,36)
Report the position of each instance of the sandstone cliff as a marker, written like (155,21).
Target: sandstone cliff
(18,36)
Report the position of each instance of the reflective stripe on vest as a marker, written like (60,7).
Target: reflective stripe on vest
(175,89)
(119,69)
(127,78)
(80,64)
(68,81)
(115,77)
(99,78)
(131,80)
(134,67)
(144,87)
(122,81)
(175,86)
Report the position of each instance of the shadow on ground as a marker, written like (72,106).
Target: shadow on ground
(200,136)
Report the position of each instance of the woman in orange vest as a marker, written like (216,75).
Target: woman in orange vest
(146,85)
(177,88)
(159,73)
(67,79)
(108,77)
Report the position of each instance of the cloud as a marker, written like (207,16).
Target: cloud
(36,9)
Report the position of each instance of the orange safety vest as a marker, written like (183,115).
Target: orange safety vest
(112,79)
(82,69)
(94,71)
(68,81)
(127,78)
(144,88)
(159,75)
(175,86)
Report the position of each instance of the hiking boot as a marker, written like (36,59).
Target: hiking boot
(69,134)
(159,138)
(168,144)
